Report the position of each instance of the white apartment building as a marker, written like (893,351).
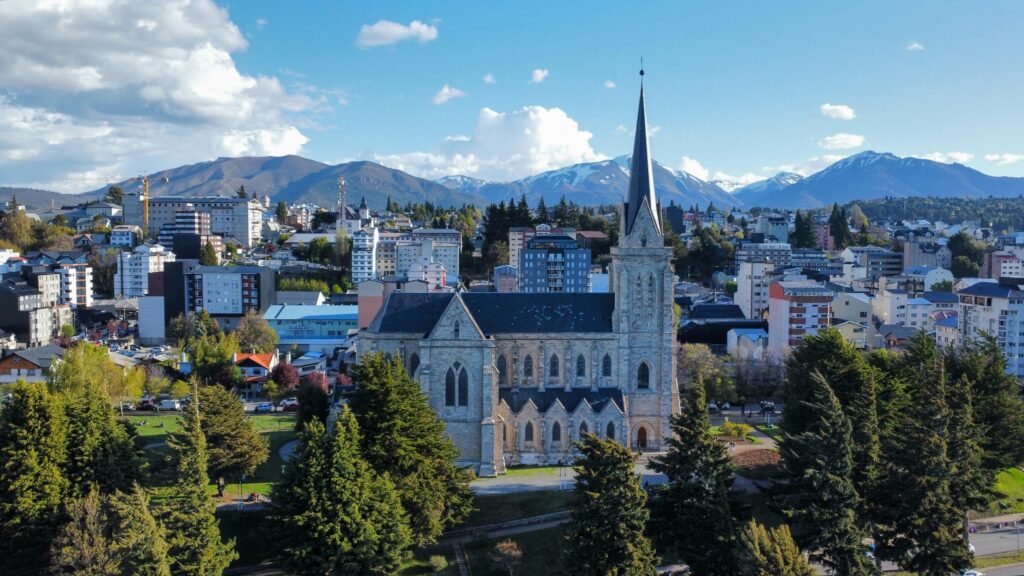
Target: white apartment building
(752,284)
(996,309)
(919,314)
(75,284)
(230,217)
(364,249)
(890,306)
(125,235)
(133,268)
(778,253)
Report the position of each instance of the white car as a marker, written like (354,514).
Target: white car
(971,572)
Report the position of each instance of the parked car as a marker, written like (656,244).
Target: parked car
(147,403)
(289,404)
(127,407)
(170,404)
(263,407)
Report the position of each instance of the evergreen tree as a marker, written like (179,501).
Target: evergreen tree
(691,513)
(772,552)
(609,514)
(523,215)
(241,193)
(823,501)
(83,546)
(803,235)
(32,487)
(208,255)
(970,484)
(543,217)
(403,438)
(101,452)
(334,514)
(196,546)
(839,228)
(313,404)
(281,212)
(233,444)
(139,541)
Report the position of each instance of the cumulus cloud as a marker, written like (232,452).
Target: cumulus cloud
(504,146)
(538,75)
(838,111)
(948,157)
(261,23)
(386,32)
(457,138)
(137,86)
(489,78)
(609,84)
(914,46)
(841,141)
(621,129)
(806,167)
(1004,159)
(694,168)
(447,93)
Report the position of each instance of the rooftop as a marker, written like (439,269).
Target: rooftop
(311,312)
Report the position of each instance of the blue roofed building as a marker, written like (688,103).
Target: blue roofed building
(312,328)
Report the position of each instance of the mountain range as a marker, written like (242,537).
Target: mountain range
(865,176)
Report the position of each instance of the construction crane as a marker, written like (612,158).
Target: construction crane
(145,193)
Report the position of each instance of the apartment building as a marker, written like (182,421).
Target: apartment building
(226,292)
(778,253)
(752,283)
(795,309)
(995,309)
(554,263)
(364,250)
(230,217)
(133,269)
(519,236)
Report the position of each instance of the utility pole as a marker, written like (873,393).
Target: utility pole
(340,224)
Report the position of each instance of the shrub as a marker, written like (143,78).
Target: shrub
(438,563)
(736,429)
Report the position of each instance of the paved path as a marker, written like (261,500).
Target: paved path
(287,450)
(551,479)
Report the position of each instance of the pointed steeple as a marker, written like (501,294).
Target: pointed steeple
(641,175)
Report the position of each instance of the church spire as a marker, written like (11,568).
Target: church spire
(641,175)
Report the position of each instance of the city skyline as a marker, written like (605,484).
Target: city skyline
(739,92)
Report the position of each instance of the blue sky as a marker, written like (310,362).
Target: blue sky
(735,89)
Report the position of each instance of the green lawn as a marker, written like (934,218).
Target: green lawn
(1010,487)
(542,553)
(495,508)
(266,474)
(775,432)
(533,471)
(420,562)
(154,428)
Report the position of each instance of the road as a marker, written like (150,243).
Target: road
(1017,570)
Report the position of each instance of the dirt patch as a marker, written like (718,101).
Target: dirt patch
(756,459)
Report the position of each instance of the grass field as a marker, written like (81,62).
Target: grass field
(154,428)
(775,432)
(1010,486)
(495,508)
(542,553)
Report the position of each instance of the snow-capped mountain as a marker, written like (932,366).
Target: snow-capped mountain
(606,182)
(466,184)
(755,194)
(870,175)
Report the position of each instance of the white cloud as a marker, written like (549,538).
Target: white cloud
(730,182)
(504,146)
(457,138)
(609,84)
(694,168)
(806,167)
(489,78)
(261,23)
(621,129)
(138,86)
(1004,159)
(447,93)
(948,157)
(838,111)
(915,46)
(538,75)
(841,141)
(652,131)
(386,32)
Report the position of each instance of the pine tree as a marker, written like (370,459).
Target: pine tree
(281,212)
(543,217)
(233,444)
(196,546)
(334,514)
(208,255)
(32,487)
(403,438)
(691,514)
(764,552)
(609,514)
(139,542)
(101,452)
(823,501)
(839,228)
(83,546)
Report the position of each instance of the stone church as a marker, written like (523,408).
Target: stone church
(517,378)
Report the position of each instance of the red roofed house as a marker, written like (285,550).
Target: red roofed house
(255,370)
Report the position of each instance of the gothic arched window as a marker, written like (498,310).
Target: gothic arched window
(528,432)
(553,367)
(610,431)
(581,366)
(449,388)
(463,388)
(583,429)
(455,330)
(502,370)
(606,366)
(528,366)
(414,364)
(643,376)
(556,432)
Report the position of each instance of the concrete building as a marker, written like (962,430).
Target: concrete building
(133,269)
(364,249)
(519,236)
(313,328)
(796,309)
(125,235)
(774,227)
(995,309)
(747,343)
(876,261)
(230,217)
(752,284)
(809,258)
(554,263)
(920,250)
(506,278)
(890,306)
(226,292)
(778,253)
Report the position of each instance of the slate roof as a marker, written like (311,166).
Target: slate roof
(516,398)
(994,289)
(715,311)
(41,356)
(499,313)
(933,296)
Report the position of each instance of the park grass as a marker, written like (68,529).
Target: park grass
(419,563)
(542,553)
(496,508)
(533,471)
(774,432)
(982,562)
(266,474)
(154,428)
(1010,487)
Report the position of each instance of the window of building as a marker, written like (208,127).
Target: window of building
(610,431)
(553,366)
(583,429)
(449,388)
(556,432)
(528,432)
(528,366)
(463,388)
(643,376)
(502,371)
(455,330)
(581,366)
(606,366)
